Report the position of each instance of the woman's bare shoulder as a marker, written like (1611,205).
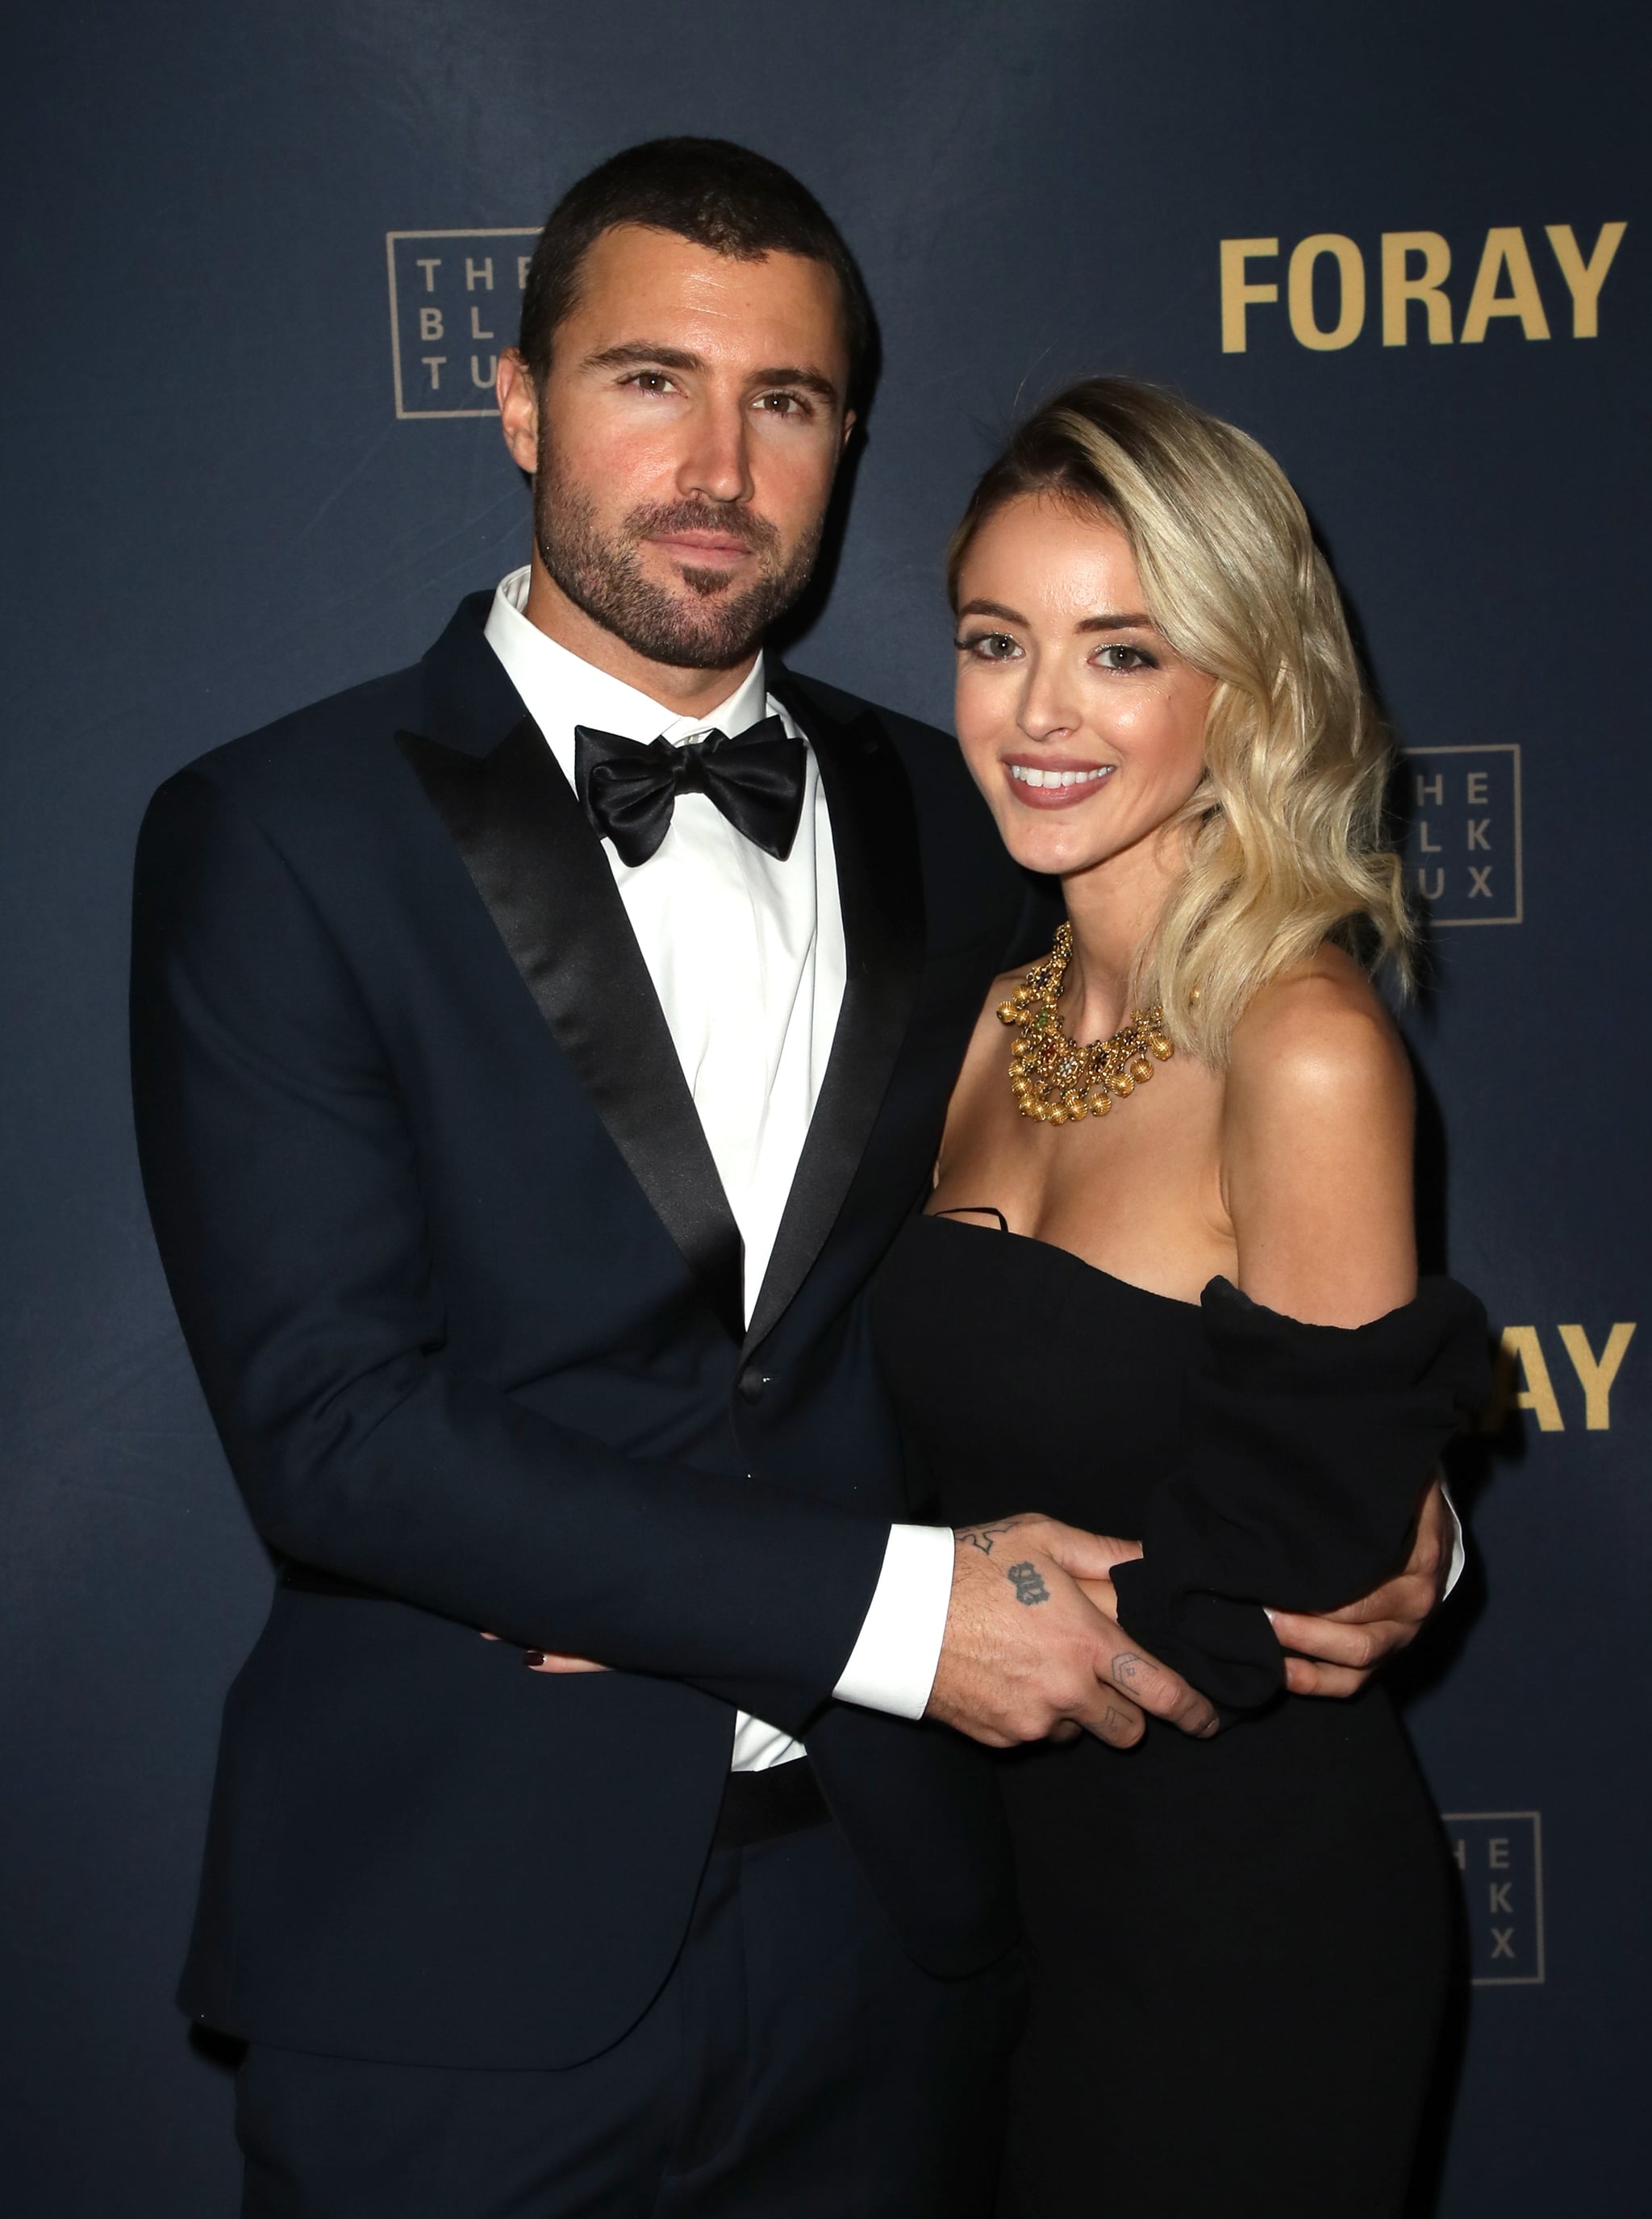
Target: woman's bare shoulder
(1319,1040)
(1316,1147)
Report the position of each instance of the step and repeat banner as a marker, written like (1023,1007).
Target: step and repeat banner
(258,266)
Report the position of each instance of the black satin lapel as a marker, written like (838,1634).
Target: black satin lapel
(875,839)
(548,890)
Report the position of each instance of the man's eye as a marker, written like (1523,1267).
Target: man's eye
(987,646)
(783,404)
(650,380)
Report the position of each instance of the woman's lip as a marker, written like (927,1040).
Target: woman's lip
(1055,796)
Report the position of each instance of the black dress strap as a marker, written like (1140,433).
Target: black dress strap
(974,1209)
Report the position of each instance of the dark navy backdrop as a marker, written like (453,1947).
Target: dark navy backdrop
(218,513)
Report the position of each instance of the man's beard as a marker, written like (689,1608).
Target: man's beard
(602,574)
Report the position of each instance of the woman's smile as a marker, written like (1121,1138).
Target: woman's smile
(1055,781)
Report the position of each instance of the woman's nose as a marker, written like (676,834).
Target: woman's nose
(1046,710)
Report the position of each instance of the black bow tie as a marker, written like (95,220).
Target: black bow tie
(629,790)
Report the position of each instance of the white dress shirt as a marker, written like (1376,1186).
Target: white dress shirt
(746,956)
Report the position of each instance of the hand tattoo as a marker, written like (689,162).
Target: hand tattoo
(1127,1667)
(982,1537)
(1028,1583)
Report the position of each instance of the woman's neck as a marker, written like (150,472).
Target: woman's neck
(1114,909)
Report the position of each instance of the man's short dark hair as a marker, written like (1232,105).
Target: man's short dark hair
(708,190)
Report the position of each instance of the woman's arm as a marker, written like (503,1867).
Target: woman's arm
(1317,1154)
(1328,1388)
(1316,1150)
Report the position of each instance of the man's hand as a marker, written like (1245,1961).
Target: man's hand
(1339,1653)
(1026,1657)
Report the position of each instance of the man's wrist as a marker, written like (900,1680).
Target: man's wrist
(892,1665)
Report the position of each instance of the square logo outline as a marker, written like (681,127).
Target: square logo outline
(464,230)
(1538,1979)
(1488,747)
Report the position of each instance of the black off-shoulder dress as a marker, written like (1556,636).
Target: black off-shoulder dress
(1239,1946)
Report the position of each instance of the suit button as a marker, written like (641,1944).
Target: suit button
(751,1383)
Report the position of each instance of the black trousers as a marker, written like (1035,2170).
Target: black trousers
(796,2065)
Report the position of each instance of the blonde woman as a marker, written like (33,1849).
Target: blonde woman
(1166,1288)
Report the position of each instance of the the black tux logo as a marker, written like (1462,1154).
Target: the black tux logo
(1462,856)
(456,297)
(1499,1857)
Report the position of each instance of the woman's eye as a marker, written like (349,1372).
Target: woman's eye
(989,646)
(1118,657)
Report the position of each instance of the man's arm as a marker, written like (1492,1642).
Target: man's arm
(282,1183)
(988,1671)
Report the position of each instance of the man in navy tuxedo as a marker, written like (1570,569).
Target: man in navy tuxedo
(534,1053)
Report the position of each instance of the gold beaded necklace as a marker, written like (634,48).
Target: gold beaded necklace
(1052,1076)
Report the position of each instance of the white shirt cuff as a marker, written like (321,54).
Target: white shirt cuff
(892,1665)
(1459,1547)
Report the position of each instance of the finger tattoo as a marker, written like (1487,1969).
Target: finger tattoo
(1129,1668)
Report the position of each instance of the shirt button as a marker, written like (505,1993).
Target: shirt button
(751,1383)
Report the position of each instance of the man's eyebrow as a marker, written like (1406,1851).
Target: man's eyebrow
(632,351)
(812,380)
(633,354)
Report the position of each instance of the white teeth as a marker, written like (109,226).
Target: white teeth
(1026,775)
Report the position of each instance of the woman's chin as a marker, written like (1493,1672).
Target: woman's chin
(1053,848)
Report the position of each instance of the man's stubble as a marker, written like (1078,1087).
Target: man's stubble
(600,573)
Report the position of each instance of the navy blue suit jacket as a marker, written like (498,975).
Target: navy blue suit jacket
(463,1291)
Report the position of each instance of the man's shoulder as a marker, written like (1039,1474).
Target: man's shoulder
(843,707)
(946,794)
(325,741)
(345,743)
(971,883)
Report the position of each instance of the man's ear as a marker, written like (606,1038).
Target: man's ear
(849,427)
(518,410)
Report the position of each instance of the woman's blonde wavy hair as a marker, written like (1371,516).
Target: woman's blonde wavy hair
(1284,831)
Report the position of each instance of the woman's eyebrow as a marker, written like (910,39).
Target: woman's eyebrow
(1117,621)
(991,609)
(1110,620)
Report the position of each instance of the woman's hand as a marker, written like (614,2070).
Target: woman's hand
(1337,1654)
(553,1660)
(1097,1586)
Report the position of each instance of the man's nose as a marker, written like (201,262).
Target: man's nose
(717,462)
